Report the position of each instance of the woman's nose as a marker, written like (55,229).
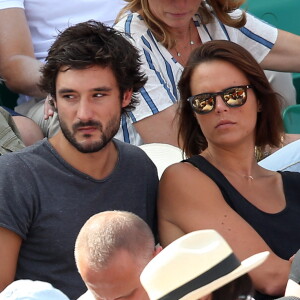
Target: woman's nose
(220,104)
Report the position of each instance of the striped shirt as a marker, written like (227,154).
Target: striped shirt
(163,71)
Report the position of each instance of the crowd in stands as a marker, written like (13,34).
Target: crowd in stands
(84,213)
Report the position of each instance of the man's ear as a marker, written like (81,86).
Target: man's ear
(55,105)
(51,101)
(126,98)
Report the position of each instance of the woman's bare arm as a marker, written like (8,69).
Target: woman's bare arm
(189,200)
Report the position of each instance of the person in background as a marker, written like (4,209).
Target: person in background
(27,31)
(227,110)
(49,190)
(111,251)
(10,137)
(166,32)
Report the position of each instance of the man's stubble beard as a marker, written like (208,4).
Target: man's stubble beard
(105,137)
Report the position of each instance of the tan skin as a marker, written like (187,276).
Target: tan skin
(230,134)
(10,244)
(82,95)
(18,64)
(30,132)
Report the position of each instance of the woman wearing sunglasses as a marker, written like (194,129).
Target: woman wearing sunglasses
(167,31)
(227,109)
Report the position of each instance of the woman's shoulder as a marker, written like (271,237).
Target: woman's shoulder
(185,171)
(179,167)
(184,181)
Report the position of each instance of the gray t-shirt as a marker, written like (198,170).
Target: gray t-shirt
(46,201)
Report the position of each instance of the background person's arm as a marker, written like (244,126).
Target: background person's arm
(285,55)
(18,65)
(159,128)
(10,244)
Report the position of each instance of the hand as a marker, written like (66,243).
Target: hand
(48,107)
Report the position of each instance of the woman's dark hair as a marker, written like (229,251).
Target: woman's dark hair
(235,289)
(92,43)
(269,126)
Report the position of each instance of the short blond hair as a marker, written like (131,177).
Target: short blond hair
(107,232)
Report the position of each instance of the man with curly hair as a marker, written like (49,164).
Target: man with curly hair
(49,190)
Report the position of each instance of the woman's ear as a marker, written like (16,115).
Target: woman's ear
(259,106)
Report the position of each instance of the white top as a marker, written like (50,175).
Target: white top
(284,159)
(164,71)
(47,18)
(87,296)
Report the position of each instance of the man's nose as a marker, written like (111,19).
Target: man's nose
(84,110)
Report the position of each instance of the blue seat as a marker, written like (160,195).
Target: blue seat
(291,119)
(281,14)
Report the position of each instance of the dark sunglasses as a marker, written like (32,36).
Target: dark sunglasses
(233,97)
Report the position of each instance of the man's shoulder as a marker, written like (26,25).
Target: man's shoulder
(133,157)
(129,150)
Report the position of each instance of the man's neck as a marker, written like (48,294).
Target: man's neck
(97,165)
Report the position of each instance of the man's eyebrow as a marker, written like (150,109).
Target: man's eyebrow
(102,89)
(97,89)
(65,90)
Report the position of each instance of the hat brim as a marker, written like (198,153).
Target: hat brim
(246,266)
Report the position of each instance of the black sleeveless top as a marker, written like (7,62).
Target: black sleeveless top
(281,231)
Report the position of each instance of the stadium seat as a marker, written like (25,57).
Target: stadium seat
(291,119)
(283,15)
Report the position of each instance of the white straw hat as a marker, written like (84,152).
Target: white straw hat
(193,266)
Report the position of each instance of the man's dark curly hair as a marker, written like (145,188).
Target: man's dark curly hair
(92,43)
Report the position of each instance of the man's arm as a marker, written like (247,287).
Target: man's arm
(10,244)
(18,65)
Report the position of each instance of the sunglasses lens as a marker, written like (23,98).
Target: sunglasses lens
(203,103)
(235,96)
